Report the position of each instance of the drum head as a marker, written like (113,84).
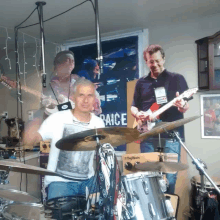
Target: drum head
(23,211)
(17,196)
(197,181)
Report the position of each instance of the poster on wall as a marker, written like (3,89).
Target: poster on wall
(210,109)
(120,65)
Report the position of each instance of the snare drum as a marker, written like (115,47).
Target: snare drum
(24,211)
(196,187)
(144,197)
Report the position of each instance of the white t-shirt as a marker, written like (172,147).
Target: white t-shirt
(74,164)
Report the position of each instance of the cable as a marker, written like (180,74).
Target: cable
(92,5)
(57,15)
(26,18)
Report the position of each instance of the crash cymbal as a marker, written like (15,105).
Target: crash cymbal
(26,168)
(164,167)
(86,140)
(166,126)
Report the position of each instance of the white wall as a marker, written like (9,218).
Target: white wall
(178,41)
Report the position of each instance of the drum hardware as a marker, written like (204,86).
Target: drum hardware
(65,207)
(3,177)
(169,207)
(200,166)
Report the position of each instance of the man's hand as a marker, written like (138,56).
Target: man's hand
(181,104)
(47,102)
(144,116)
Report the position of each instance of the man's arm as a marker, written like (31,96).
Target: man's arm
(31,136)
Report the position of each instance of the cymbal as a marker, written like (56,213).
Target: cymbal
(17,196)
(166,126)
(86,140)
(26,168)
(164,167)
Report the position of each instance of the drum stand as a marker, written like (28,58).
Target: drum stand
(200,166)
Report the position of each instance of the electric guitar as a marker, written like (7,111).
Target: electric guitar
(12,84)
(154,111)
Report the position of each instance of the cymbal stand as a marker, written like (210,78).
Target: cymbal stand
(200,166)
(160,149)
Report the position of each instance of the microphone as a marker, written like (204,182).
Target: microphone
(44,80)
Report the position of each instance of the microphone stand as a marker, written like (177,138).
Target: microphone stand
(40,13)
(200,166)
(98,39)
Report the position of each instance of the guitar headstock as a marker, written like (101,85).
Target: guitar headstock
(7,82)
(189,93)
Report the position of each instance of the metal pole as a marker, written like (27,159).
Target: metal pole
(40,5)
(98,39)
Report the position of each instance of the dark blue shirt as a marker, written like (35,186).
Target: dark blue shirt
(144,95)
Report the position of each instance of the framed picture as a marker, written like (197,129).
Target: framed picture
(210,121)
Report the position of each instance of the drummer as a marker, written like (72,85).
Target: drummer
(77,165)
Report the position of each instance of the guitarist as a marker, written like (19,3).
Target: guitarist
(157,88)
(61,81)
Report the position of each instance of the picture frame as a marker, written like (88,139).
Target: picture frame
(210,111)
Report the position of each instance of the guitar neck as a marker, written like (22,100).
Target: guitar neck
(33,92)
(36,93)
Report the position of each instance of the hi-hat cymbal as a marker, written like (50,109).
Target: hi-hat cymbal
(26,168)
(166,126)
(164,167)
(86,140)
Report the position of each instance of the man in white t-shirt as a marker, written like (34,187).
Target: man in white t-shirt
(77,165)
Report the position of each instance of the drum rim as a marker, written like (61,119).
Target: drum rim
(25,204)
(139,174)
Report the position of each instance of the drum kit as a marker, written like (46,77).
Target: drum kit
(143,190)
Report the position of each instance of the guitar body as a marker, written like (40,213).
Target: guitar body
(155,111)
(138,123)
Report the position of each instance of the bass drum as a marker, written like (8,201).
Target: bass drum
(24,211)
(144,197)
(195,208)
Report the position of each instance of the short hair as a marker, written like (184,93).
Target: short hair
(62,57)
(84,82)
(153,48)
(90,64)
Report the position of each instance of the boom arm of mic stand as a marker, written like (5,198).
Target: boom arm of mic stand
(198,164)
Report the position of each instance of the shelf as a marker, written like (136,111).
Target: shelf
(204,59)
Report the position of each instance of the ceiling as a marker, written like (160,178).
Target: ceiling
(114,15)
